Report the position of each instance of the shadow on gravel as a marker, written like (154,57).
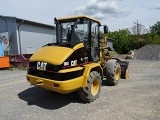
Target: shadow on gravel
(48,99)
(104,83)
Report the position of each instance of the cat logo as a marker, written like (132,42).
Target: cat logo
(73,62)
(41,65)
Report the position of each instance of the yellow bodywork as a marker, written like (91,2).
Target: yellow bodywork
(88,68)
(57,86)
(80,45)
(64,86)
(71,70)
(56,55)
(49,54)
(80,16)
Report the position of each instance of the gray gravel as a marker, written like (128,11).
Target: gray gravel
(137,98)
(148,52)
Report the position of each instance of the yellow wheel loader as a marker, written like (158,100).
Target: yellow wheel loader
(78,61)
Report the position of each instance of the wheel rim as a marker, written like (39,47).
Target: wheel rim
(95,87)
(117,74)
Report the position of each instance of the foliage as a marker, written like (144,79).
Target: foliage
(124,41)
(155,28)
(152,38)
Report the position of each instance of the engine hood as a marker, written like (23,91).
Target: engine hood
(52,54)
(55,54)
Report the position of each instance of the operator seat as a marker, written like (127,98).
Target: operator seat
(73,37)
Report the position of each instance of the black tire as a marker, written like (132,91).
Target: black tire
(92,90)
(114,79)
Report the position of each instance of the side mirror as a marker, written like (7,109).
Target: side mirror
(56,21)
(105,29)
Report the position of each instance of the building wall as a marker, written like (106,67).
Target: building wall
(26,36)
(2,25)
(2,29)
(10,26)
(32,37)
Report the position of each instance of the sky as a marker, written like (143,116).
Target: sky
(117,14)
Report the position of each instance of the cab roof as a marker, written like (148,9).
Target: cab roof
(79,16)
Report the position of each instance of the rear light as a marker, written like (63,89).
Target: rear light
(55,85)
(28,78)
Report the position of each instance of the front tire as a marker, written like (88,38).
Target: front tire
(92,90)
(114,79)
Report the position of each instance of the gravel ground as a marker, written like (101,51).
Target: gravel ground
(137,98)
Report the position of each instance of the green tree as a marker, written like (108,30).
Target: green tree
(153,38)
(123,41)
(155,28)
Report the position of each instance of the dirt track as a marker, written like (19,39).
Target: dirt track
(137,98)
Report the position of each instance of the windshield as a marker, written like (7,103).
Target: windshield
(80,30)
(75,31)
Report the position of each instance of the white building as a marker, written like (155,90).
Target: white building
(25,36)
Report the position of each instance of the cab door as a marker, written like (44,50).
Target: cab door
(95,41)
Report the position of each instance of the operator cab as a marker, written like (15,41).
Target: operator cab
(79,29)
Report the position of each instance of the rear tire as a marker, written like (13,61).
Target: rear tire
(92,90)
(114,79)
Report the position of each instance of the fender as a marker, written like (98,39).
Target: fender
(91,67)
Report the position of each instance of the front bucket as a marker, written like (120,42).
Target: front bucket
(124,69)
